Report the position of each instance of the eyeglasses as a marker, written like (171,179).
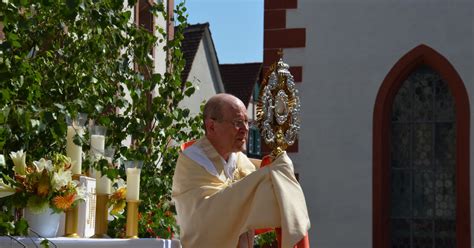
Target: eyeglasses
(236,123)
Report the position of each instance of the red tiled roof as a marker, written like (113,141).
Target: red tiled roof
(190,44)
(239,79)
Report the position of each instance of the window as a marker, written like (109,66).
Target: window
(421,155)
(145,17)
(256,92)
(423,163)
(253,144)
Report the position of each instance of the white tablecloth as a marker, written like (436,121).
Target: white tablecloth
(7,242)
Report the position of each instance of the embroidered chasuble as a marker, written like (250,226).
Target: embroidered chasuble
(214,210)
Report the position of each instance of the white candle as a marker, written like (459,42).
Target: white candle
(103,184)
(97,148)
(97,144)
(74,151)
(133,184)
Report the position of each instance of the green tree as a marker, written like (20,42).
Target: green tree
(62,58)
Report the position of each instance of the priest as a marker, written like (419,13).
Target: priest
(221,195)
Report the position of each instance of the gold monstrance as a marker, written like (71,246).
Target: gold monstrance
(278,108)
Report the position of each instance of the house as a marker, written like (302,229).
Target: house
(202,66)
(384,148)
(203,70)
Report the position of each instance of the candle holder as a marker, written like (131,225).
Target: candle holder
(73,151)
(103,184)
(133,169)
(71,223)
(101,216)
(131,228)
(72,218)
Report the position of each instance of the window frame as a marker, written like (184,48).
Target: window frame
(420,55)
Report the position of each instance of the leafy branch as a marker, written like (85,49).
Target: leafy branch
(61,58)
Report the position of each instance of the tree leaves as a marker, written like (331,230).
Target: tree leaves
(66,57)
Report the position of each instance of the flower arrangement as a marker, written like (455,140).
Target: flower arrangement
(117,200)
(42,184)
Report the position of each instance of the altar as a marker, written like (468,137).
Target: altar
(61,242)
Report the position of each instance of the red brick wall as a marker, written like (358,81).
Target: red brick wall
(277,36)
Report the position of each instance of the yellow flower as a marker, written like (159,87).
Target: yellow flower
(119,194)
(63,202)
(117,201)
(118,208)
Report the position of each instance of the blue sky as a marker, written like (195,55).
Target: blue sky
(236,27)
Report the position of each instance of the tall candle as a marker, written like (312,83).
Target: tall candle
(103,184)
(133,184)
(74,151)
(97,148)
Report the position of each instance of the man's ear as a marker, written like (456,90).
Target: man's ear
(209,125)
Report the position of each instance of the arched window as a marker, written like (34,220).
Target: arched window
(423,163)
(421,155)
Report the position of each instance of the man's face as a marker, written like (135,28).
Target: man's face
(232,130)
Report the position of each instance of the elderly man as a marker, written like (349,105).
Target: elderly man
(220,194)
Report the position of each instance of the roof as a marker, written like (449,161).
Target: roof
(239,79)
(192,37)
